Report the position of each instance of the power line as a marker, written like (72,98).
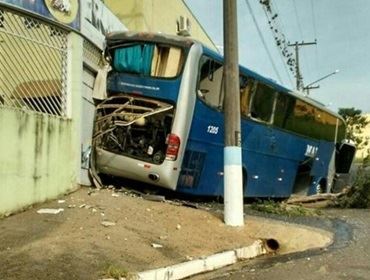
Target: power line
(315,34)
(297,19)
(263,41)
(280,26)
(313,19)
(300,32)
(280,54)
(281,42)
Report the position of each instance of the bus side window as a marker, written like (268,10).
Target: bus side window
(262,103)
(246,87)
(283,110)
(210,82)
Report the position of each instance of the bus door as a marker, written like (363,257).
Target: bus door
(322,154)
(262,142)
(206,139)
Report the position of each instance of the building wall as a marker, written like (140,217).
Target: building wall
(39,153)
(157,16)
(364,152)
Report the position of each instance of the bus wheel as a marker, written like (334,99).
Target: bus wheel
(245,181)
(321,186)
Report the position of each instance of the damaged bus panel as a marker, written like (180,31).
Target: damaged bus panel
(161,121)
(135,127)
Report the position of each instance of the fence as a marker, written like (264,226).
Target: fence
(33,64)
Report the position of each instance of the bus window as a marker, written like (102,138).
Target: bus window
(341,134)
(302,120)
(149,60)
(284,108)
(262,103)
(210,82)
(325,124)
(246,88)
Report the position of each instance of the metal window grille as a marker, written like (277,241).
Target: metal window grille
(92,54)
(33,64)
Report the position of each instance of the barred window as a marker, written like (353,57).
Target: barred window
(1,18)
(33,64)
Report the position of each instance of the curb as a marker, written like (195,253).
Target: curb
(190,268)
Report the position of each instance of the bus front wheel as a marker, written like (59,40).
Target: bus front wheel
(321,186)
(245,181)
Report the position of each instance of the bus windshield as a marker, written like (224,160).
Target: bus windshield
(149,59)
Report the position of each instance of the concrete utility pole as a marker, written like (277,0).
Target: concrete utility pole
(299,79)
(233,175)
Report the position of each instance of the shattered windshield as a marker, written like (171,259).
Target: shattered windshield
(148,59)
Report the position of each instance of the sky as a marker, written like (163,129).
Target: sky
(342,31)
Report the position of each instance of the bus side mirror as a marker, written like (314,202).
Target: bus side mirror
(344,157)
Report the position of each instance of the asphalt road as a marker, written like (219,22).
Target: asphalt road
(347,258)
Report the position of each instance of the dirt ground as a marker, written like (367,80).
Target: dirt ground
(74,244)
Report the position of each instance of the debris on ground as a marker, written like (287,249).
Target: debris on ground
(318,200)
(153,197)
(61,201)
(108,224)
(190,204)
(50,211)
(283,208)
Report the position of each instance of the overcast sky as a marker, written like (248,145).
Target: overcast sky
(342,30)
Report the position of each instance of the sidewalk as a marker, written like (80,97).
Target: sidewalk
(101,232)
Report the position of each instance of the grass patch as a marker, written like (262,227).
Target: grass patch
(115,271)
(280,208)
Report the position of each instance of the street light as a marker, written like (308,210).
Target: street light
(309,86)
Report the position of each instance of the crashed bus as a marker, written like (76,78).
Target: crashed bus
(162,122)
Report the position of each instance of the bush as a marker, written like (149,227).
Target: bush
(359,195)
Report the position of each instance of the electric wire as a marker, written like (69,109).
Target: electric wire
(301,33)
(281,27)
(263,41)
(315,34)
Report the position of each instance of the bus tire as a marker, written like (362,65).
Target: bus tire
(245,181)
(321,186)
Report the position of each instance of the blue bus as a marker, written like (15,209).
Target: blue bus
(162,123)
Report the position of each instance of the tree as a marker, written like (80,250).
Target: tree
(356,123)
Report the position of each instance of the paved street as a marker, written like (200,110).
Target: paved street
(347,258)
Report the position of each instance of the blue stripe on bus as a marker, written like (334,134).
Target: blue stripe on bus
(233,155)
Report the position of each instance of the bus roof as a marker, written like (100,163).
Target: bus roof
(114,39)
